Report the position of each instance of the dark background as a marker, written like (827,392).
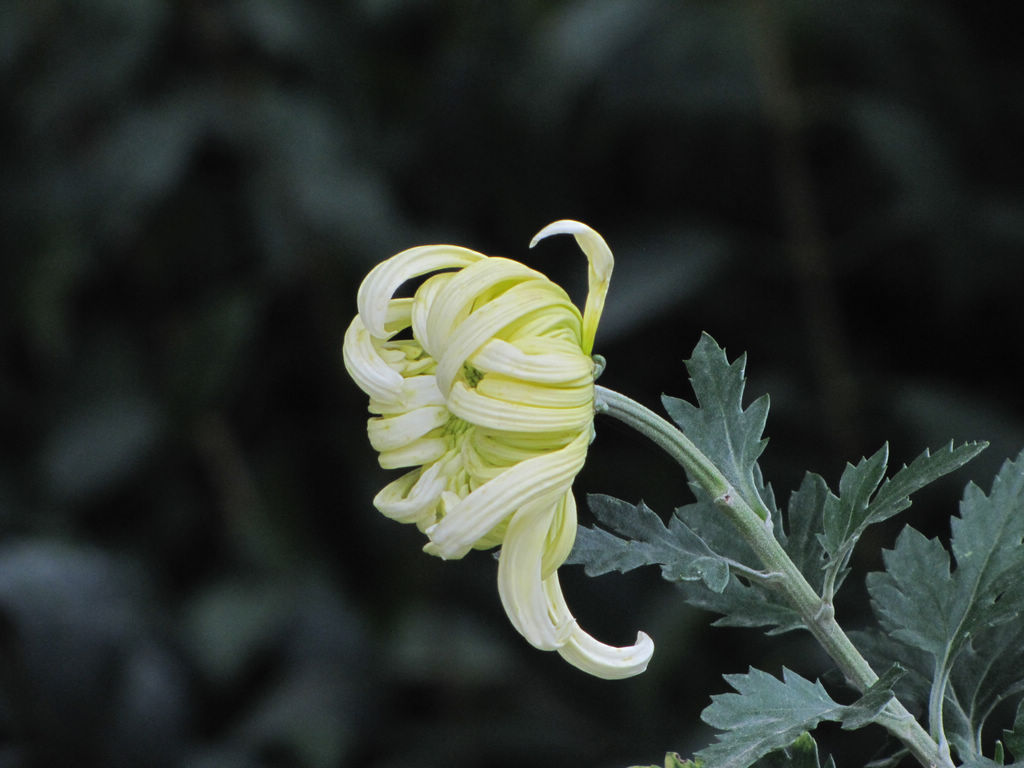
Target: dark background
(191,572)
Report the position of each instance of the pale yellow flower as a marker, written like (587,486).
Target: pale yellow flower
(483,382)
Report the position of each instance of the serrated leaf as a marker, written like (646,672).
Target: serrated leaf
(894,495)
(766,714)
(749,602)
(988,671)
(743,605)
(643,539)
(844,515)
(728,434)
(953,615)
(746,602)
(847,516)
(803,515)
(910,597)
(881,650)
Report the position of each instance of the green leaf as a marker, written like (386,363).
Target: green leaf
(910,597)
(989,670)
(643,539)
(846,514)
(846,517)
(766,714)
(803,516)
(1014,739)
(894,495)
(802,753)
(743,605)
(749,602)
(966,619)
(718,425)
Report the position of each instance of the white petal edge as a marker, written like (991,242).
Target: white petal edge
(591,243)
(608,662)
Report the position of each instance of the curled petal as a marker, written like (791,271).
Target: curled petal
(552,363)
(491,413)
(419,452)
(592,656)
(520,584)
(425,298)
(599,256)
(542,477)
(526,298)
(513,391)
(390,432)
(365,365)
(380,285)
(413,497)
(500,451)
(607,661)
(414,392)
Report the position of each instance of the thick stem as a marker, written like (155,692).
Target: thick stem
(754,526)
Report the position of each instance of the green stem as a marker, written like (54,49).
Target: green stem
(752,521)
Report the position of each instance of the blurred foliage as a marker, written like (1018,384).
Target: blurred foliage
(190,569)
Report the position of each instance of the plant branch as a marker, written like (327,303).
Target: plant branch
(753,522)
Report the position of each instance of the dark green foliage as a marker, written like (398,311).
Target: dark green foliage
(802,753)
(858,506)
(1014,739)
(645,540)
(766,714)
(726,432)
(967,619)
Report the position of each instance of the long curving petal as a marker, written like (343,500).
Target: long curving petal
(599,274)
(383,280)
(520,584)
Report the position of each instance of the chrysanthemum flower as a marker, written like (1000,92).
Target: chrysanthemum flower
(483,383)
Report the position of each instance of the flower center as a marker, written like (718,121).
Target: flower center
(472,375)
